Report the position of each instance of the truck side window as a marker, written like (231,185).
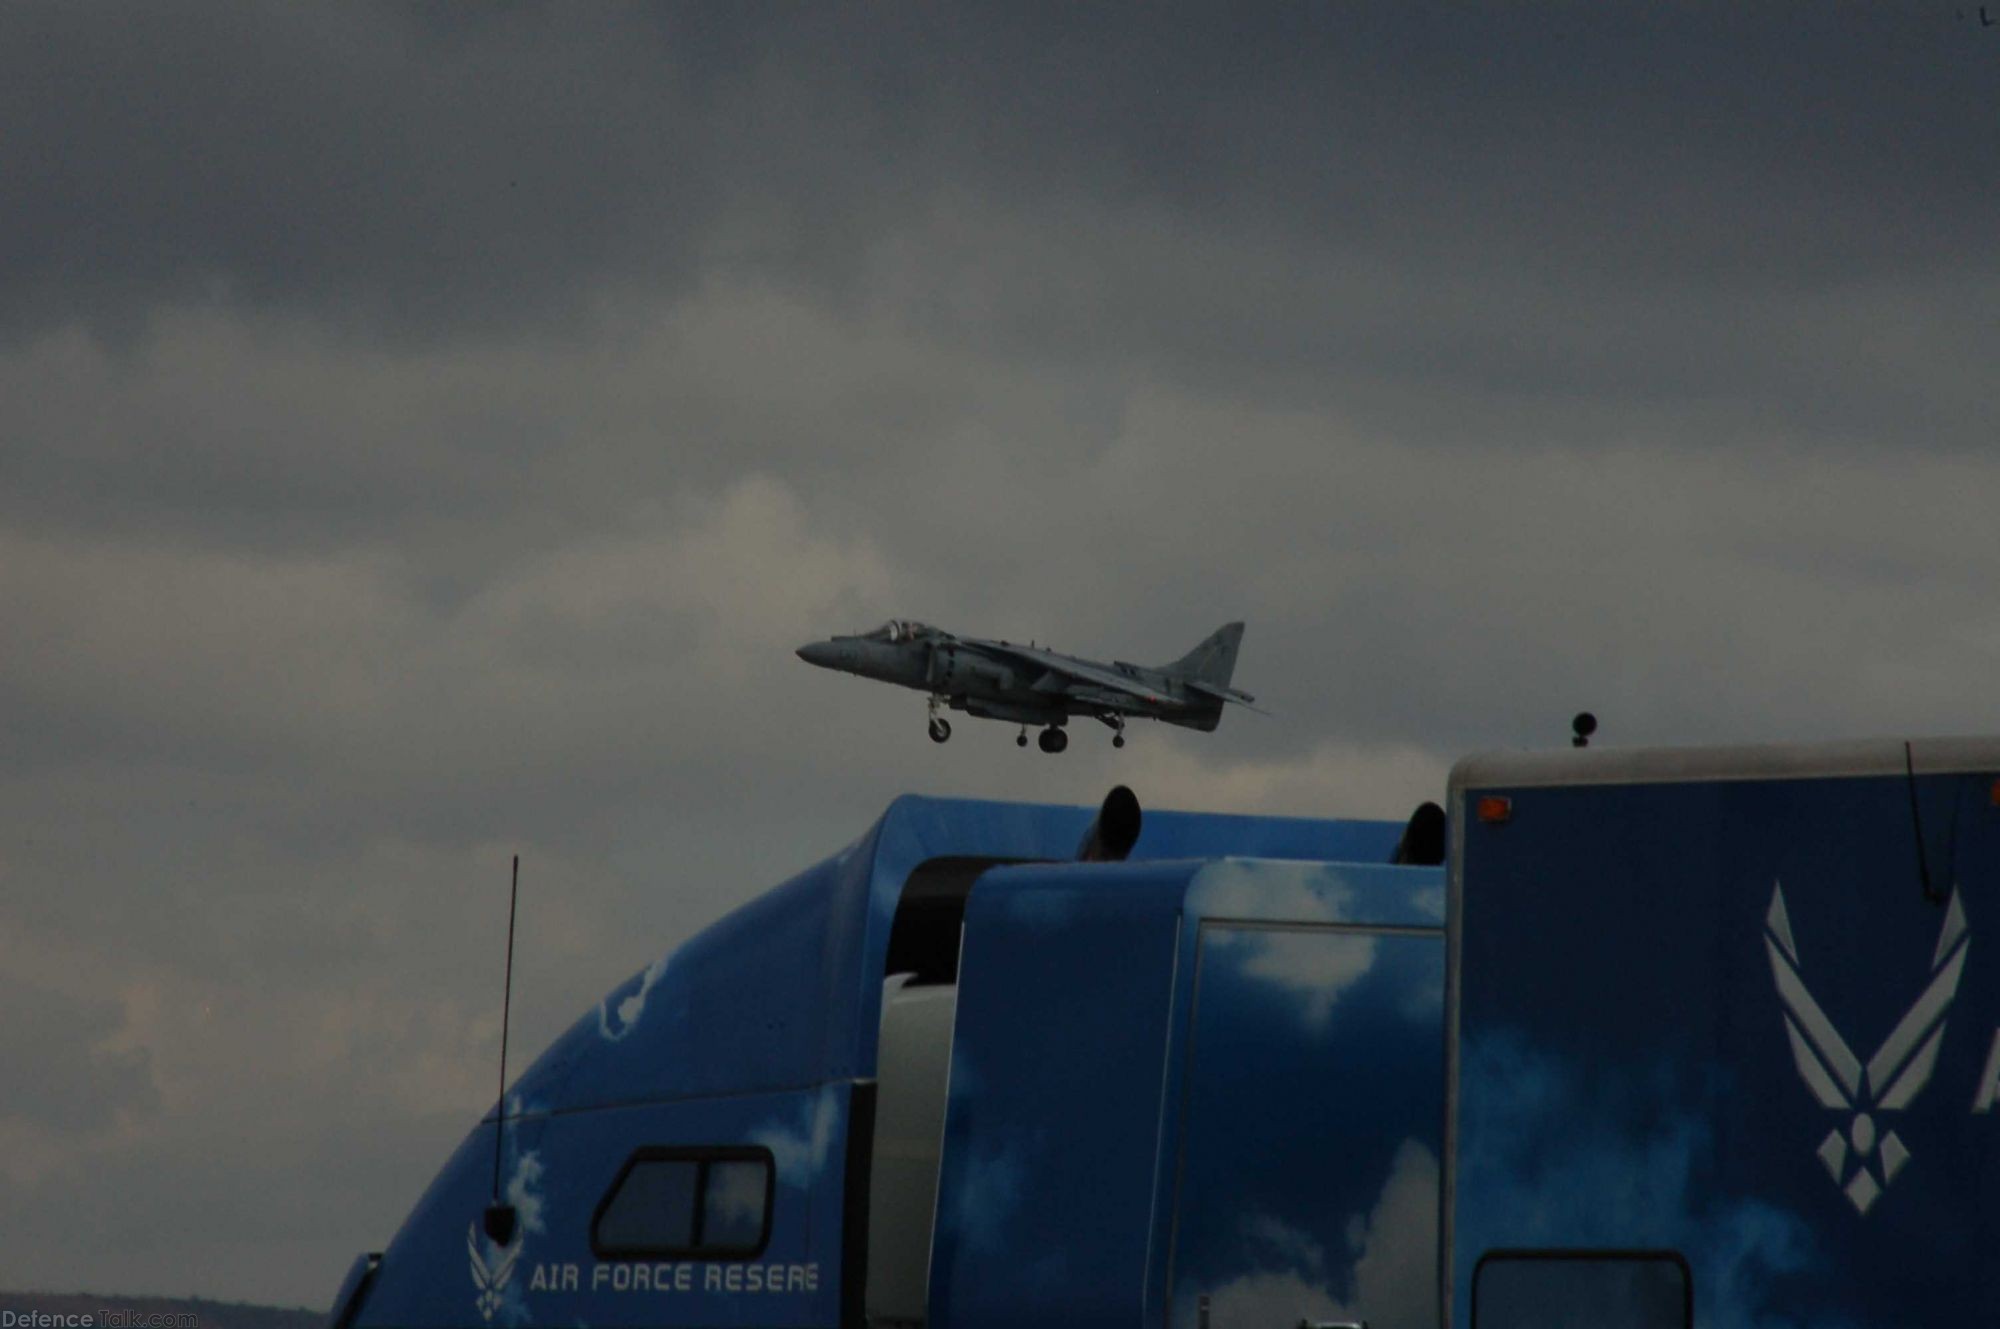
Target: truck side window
(733,1204)
(712,1204)
(1602,1289)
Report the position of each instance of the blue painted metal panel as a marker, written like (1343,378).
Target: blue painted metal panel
(1362,893)
(1351,893)
(1634,1073)
(1063,1133)
(1308,1172)
(1046,1194)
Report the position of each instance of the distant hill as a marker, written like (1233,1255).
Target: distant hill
(207,1314)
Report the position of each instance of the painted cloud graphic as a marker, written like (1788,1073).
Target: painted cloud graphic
(615,1019)
(801,1142)
(1538,1163)
(1390,1261)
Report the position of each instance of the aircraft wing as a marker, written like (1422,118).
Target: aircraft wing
(1125,703)
(1073,670)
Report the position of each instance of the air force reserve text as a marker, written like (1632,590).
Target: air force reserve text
(667,1276)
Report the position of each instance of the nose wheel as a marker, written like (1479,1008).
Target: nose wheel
(1053,740)
(939,727)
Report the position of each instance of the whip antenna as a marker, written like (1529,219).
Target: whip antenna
(1931,893)
(500,1217)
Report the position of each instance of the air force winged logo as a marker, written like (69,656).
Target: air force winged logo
(490,1279)
(1893,1077)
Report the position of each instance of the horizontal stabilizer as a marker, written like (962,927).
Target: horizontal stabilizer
(1231,695)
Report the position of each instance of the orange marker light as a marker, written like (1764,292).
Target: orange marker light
(1996,793)
(1495,808)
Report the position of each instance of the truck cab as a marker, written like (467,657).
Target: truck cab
(953,1076)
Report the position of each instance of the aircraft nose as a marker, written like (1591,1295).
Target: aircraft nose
(819,653)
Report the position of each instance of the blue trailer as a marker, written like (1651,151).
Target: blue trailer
(1671,1038)
(1718,1009)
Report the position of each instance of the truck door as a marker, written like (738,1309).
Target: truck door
(1306,1181)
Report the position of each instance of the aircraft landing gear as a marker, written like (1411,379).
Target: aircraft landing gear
(1053,739)
(940,728)
(1021,739)
(1117,731)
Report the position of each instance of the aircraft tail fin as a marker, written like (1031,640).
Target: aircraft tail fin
(1213,661)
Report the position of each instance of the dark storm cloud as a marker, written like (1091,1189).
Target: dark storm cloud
(1452,226)
(61,1074)
(337,158)
(430,169)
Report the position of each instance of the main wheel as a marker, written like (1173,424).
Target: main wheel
(940,730)
(1053,739)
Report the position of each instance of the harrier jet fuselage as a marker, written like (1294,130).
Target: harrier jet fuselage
(1031,685)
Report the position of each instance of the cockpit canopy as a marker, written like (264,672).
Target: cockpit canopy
(899,630)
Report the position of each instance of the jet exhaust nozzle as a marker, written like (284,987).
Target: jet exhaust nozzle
(1114,830)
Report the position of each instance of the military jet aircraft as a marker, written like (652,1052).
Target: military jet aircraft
(1032,685)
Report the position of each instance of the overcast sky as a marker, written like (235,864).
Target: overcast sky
(424,436)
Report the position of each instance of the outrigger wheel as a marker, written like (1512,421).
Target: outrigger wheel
(1021,739)
(940,730)
(1053,739)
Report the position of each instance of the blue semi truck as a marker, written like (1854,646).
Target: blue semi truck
(1627,1040)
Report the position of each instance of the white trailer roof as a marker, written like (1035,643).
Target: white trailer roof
(1601,766)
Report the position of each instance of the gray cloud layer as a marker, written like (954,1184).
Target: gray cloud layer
(424,434)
